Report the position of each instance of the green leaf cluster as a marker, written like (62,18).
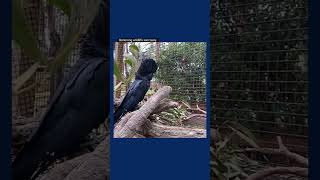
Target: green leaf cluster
(85,10)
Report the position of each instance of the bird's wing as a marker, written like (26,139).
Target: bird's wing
(135,94)
(66,83)
(72,114)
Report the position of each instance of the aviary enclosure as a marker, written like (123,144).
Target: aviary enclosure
(182,67)
(259,122)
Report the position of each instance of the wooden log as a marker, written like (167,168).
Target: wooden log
(196,120)
(94,165)
(298,171)
(163,131)
(283,150)
(164,105)
(134,124)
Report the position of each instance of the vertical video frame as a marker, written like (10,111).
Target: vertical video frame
(159,89)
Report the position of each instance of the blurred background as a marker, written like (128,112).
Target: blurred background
(259,81)
(46,43)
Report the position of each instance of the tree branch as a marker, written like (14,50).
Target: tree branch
(94,165)
(139,117)
(163,131)
(283,150)
(164,105)
(303,172)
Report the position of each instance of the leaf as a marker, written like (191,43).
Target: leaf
(130,62)
(243,129)
(87,10)
(131,72)
(63,5)
(117,72)
(225,142)
(28,88)
(235,167)
(245,138)
(117,86)
(23,78)
(130,77)
(134,51)
(22,34)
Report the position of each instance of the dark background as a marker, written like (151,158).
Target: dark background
(314,88)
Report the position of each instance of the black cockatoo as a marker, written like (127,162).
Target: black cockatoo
(137,89)
(79,104)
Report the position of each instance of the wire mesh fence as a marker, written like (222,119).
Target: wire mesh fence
(181,65)
(48,26)
(260,70)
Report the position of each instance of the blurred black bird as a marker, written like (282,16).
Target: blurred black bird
(79,105)
(137,89)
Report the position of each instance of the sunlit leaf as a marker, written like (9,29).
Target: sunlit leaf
(134,50)
(129,61)
(117,86)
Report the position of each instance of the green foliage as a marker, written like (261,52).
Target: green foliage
(285,72)
(226,162)
(84,9)
(134,50)
(131,60)
(22,34)
(174,116)
(63,5)
(253,60)
(182,66)
(26,39)
(118,73)
(19,82)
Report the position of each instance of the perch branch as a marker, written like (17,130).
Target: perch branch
(94,165)
(198,110)
(303,172)
(283,150)
(165,105)
(140,116)
(163,131)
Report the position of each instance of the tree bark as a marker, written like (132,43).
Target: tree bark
(94,165)
(139,117)
(299,171)
(164,105)
(157,51)
(303,172)
(119,61)
(163,131)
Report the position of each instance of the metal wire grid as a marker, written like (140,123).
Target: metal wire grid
(22,62)
(184,70)
(37,91)
(259,69)
(181,65)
